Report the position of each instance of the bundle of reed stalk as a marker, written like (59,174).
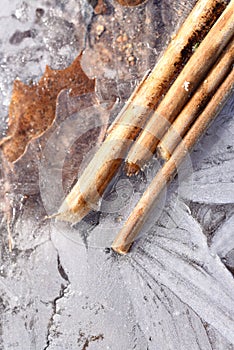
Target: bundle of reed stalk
(137,218)
(197,103)
(184,86)
(87,192)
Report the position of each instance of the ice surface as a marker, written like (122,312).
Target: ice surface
(169,287)
(180,260)
(213,168)
(62,287)
(222,242)
(27,295)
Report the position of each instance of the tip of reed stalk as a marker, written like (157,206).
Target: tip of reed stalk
(73,209)
(122,250)
(163,153)
(131,169)
(68,216)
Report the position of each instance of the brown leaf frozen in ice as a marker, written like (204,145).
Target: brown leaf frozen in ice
(20,180)
(32,107)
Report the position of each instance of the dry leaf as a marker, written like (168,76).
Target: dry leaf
(34,114)
(32,107)
(20,180)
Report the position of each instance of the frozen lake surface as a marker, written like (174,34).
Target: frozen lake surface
(61,286)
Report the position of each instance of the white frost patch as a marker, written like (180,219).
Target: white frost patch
(223,240)
(186,85)
(180,261)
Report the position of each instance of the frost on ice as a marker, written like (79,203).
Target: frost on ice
(63,288)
